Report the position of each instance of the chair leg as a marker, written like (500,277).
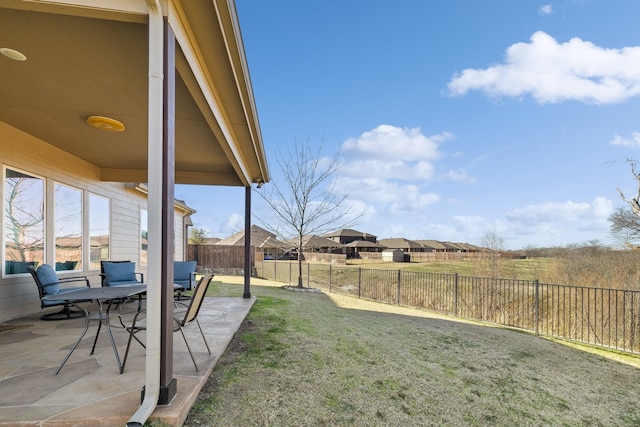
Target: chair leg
(203,338)
(126,352)
(65,313)
(189,348)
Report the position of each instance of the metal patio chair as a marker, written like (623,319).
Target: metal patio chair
(181,318)
(49,283)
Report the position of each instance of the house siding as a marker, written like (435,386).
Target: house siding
(19,295)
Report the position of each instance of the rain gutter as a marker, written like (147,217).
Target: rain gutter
(156,95)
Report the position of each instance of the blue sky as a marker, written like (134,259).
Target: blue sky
(453,118)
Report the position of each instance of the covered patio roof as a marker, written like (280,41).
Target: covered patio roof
(86,58)
(168,86)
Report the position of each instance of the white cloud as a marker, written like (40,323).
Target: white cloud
(632,142)
(387,195)
(553,72)
(554,219)
(234,223)
(547,9)
(392,152)
(546,224)
(460,175)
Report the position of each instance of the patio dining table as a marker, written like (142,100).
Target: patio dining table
(102,295)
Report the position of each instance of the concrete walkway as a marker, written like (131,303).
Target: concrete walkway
(89,391)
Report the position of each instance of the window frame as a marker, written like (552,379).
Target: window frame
(55,218)
(5,233)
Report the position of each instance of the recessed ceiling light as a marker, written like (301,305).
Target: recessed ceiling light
(13,54)
(105,123)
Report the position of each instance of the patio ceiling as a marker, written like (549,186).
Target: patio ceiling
(87,60)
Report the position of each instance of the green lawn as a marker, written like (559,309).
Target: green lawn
(310,359)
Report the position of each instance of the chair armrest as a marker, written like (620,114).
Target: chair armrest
(75,279)
(177,303)
(131,325)
(141,276)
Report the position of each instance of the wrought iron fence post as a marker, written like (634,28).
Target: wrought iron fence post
(536,305)
(455,294)
(399,281)
(308,275)
(329,278)
(359,280)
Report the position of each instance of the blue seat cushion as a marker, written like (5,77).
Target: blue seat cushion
(120,273)
(60,291)
(49,279)
(182,273)
(182,270)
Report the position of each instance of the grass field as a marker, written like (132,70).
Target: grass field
(524,269)
(311,359)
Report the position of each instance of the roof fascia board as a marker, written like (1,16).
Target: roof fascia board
(121,10)
(182,177)
(186,40)
(228,19)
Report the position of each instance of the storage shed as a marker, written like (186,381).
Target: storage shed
(392,255)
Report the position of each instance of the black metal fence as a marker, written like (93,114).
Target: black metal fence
(598,316)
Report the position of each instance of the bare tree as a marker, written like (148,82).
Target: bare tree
(305,201)
(24,221)
(495,245)
(625,221)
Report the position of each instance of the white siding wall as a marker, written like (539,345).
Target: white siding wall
(19,295)
(179,232)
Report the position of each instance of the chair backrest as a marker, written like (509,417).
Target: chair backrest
(46,279)
(118,272)
(182,269)
(196,299)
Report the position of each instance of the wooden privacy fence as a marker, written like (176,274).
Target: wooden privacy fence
(221,257)
(602,317)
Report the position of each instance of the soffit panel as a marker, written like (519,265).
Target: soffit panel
(78,66)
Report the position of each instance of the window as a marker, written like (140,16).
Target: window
(144,227)
(99,230)
(23,221)
(67,211)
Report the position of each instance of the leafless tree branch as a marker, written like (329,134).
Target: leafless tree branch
(305,201)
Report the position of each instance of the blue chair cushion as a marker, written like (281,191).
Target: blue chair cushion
(61,291)
(182,273)
(120,273)
(49,279)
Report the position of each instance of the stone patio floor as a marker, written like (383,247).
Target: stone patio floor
(89,390)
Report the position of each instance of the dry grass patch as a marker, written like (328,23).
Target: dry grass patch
(307,359)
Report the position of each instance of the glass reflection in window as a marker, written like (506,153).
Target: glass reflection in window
(99,230)
(23,221)
(144,227)
(67,212)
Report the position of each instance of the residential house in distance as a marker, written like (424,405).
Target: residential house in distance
(355,242)
(432,245)
(347,235)
(260,239)
(320,244)
(403,244)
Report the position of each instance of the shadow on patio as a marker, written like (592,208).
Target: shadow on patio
(89,391)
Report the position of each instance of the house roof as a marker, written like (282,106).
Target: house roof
(315,241)
(400,243)
(259,237)
(434,244)
(347,232)
(364,244)
(451,245)
(90,57)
